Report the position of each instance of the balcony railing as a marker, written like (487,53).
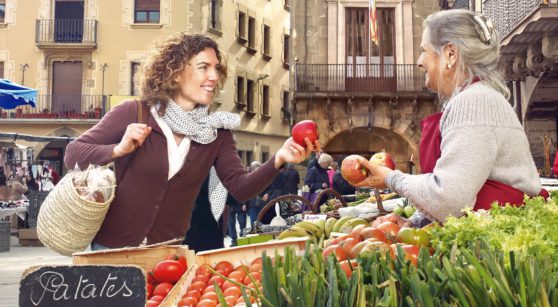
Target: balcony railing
(66,31)
(61,107)
(507,14)
(358,78)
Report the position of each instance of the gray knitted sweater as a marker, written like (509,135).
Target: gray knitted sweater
(481,139)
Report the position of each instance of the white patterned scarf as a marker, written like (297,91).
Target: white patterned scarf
(198,124)
(202,128)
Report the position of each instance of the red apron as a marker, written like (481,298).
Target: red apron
(491,191)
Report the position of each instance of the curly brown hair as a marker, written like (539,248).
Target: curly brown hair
(168,60)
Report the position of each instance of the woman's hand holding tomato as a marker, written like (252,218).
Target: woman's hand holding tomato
(291,152)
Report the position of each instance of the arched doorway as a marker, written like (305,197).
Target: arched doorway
(366,142)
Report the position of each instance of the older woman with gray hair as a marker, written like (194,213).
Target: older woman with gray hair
(475,151)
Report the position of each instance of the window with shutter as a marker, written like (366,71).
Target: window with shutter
(251,34)
(215,7)
(266,42)
(266,92)
(147,11)
(240,90)
(286,51)
(285,114)
(134,79)
(241,24)
(2,11)
(250,105)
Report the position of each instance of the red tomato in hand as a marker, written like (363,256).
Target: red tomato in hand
(179,259)
(413,236)
(168,271)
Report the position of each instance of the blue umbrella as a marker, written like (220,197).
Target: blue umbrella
(13,95)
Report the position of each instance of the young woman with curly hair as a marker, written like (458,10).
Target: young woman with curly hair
(161,163)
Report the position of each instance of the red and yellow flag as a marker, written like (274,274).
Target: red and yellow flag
(373,21)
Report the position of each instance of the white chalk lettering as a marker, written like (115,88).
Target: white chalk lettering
(89,291)
(53,284)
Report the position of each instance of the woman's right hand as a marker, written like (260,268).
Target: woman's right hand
(376,175)
(134,137)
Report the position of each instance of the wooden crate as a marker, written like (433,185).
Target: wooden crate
(145,257)
(246,253)
(28,237)
(236,255)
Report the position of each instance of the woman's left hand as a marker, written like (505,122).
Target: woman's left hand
(291,152)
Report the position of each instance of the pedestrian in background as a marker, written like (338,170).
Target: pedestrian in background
(255,204)
(331,171)
(237,211)
(317,177)
(291,178)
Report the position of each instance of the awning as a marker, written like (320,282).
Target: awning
(13,95)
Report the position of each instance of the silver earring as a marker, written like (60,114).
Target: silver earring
(449,66)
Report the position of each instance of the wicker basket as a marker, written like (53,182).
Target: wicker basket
(67,223)
(5,236)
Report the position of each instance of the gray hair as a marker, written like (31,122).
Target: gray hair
(255,164)
(325,158)
(477,41)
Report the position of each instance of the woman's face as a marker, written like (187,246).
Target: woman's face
(429,61)
(439,77)
(198,80)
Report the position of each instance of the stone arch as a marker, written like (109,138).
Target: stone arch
(63,131)
(401,144)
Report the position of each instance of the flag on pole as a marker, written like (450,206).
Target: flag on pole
(373,21)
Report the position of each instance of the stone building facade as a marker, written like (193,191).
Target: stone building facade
(366,97)
(84,56)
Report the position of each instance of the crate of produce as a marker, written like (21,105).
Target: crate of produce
(238,265)
(145,257)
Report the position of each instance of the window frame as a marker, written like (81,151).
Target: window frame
(3,17)
(251,34)
(215,16)
(285,50)
(266,103)
(266,40)
(250,97)
(133,78)
(241,24)
(240,89)
(148,15)
(285,105)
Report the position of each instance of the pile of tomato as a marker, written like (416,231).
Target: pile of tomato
(385,237)
(163,277)
(202,292)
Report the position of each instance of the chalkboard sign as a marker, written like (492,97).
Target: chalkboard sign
(87,285)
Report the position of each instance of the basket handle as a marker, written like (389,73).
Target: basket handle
(315,205)
(272,202)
